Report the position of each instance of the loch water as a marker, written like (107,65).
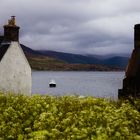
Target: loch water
(98,84)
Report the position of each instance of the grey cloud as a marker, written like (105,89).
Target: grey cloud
(77,26)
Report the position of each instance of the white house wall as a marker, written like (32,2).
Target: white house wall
(15,71)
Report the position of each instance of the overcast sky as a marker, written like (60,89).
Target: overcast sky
(74,26)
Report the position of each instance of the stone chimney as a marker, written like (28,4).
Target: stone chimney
(11,31)
(137,36)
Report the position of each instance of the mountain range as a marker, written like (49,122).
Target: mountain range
(116,61)
(52,60)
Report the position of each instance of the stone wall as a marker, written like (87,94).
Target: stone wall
(15,71)
(131,82)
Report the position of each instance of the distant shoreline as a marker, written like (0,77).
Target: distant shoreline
(71,67)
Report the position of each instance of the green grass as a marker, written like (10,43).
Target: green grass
(68,118)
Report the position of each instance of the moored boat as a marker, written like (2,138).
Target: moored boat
(52,83)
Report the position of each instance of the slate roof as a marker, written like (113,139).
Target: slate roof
(3,49)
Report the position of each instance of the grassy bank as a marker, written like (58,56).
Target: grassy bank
(68,118)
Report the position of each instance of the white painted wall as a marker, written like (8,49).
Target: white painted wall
(15,71)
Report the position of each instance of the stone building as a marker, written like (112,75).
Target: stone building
(131,82)
(15,71)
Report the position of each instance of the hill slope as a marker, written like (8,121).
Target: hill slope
(40,60)
(115,61)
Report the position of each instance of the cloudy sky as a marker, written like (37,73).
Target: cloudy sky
(74,26)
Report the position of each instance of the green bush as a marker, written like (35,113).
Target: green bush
(67,118)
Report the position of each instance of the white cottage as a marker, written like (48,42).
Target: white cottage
(15,71)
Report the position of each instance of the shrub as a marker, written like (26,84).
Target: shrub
(67,118)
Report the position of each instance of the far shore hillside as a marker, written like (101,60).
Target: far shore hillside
(57,61)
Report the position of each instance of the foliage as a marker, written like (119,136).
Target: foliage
(67,118)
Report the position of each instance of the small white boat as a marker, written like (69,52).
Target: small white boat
(52,83)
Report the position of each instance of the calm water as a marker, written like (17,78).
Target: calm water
(99,84)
